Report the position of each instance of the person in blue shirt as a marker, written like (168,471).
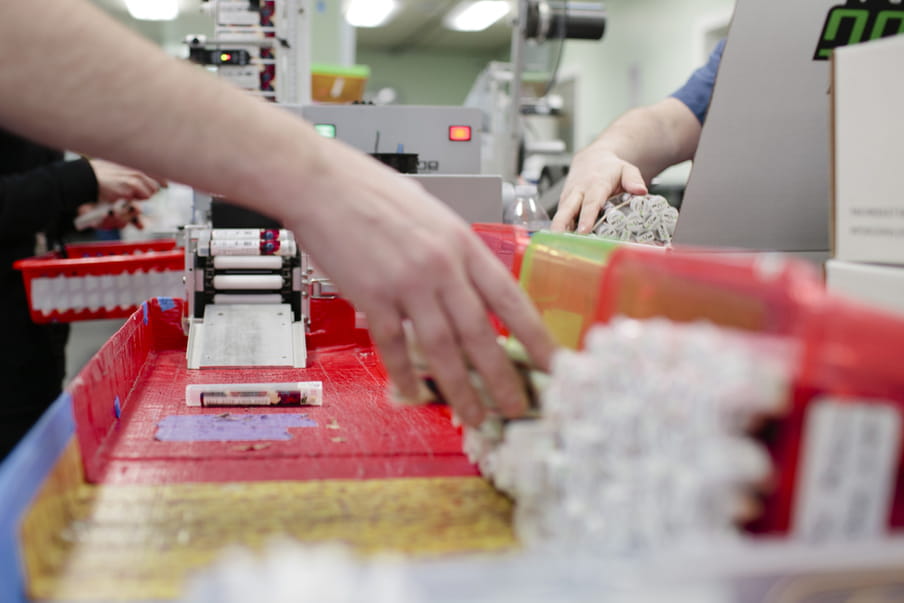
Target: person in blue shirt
(636,147)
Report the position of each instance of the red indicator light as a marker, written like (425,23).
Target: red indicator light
(225,57)
(460,133)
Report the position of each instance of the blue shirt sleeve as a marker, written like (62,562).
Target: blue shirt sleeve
(698,90)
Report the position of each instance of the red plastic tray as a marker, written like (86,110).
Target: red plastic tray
(86,262)
(138,379)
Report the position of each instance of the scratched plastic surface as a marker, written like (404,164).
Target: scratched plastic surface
(140,376)
(140,542)
(147,513)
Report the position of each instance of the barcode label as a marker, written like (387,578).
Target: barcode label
(849,461)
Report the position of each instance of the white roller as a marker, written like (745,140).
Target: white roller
(247,281)
(252,298)
(247,262)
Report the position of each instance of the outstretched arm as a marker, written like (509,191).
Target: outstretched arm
(628,154)
(83,82)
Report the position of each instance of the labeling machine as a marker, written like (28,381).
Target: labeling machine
(247,293)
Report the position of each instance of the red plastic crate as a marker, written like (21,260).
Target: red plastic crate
(561,273)
(850,371)
(507,242)
(837,452)
(763,294)
(101,280)
(108,248)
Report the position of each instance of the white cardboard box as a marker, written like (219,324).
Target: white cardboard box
(868,120)
(880,286)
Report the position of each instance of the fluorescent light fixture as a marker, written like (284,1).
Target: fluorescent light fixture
(476,16)
(370,13)
(153,10)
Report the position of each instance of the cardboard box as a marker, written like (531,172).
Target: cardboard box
(868,96)
(881,286)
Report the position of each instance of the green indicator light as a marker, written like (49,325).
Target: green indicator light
(326,130)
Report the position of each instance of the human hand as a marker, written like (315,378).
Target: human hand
(108,215)
(115,182)
(400,255)
(595,176)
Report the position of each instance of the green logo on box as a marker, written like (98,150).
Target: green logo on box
(859,21)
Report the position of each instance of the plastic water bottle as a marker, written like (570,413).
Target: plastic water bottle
(525,210)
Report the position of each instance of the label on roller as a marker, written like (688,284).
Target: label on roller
(235,247)
(252,247)
(266,234)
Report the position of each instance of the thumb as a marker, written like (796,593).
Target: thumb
(632,180)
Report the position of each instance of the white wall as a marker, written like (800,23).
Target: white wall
(649,50)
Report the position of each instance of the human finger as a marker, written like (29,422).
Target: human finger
(444,355)
(502,295)
(477,339)
(632,180)
(569,206)
(140,186)
(387,332)
(593,204)
(150,183)
(118,216)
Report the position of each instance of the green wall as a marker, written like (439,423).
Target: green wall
(426,77)
(329,34)
(649,49)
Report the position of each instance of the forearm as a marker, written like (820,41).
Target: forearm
(651,138)
(85,83)
(155,113)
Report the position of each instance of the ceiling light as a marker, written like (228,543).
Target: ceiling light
(369,13)
(476,16)
(153,10)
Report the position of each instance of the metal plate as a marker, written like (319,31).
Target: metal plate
(246,335)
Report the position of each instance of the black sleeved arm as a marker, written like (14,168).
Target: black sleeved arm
(44,197)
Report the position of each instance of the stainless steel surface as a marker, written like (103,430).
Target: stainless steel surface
(474,198)
(246,335)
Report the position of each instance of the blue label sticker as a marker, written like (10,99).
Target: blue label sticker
(166,303)
(228,427)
